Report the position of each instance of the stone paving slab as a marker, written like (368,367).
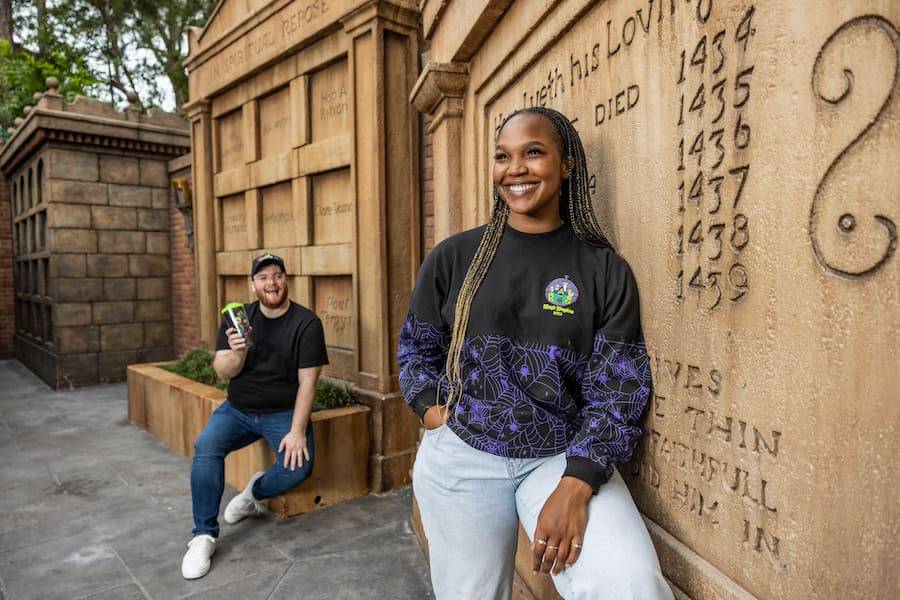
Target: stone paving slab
(93,508)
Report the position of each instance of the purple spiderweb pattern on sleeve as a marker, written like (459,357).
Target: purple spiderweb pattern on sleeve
(421,356)
(616,388)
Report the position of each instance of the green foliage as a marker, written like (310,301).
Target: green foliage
(197,365)
(23,72)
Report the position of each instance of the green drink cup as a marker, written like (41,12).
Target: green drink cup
(237,316)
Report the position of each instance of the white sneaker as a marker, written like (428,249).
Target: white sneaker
(244,504)
(195,563)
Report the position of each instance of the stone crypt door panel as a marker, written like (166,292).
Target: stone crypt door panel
(743,157)
(282,184)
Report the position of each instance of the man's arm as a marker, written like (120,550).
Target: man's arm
(294,443)
(228,363)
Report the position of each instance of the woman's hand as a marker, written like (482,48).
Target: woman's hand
(560,527)
(433,417)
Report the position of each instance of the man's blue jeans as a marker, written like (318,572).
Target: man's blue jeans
(231,429)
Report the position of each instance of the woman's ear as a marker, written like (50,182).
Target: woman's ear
(568,164)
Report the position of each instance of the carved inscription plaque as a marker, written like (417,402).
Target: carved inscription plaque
(279,224)
(329,102)
(743,157)
(334,305)
(234,222)
(332,207)
(230,137)
(275,123)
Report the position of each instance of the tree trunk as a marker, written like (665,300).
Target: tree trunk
(6,20)
(43,34)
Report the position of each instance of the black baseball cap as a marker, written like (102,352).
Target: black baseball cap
(266,259)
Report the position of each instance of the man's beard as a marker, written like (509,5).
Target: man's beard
(263,298)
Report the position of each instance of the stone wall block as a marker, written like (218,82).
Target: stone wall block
(148,266)
(157,242)
(77,192)
(111,366)
(153,219)
(78,290)
(130,195)
(73,370)
(125,336)
(119,169)
(107,265)
(122,242)
(114,217)
(154,173)
(153,288)
(152,310)
(155,354)
(69,215)
(68,265)
(75,340)
(70,314)
(119,288)
(71,164)
(112,312)
(158,334)
(160,198)
(73,240)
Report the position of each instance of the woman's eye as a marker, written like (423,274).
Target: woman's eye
(534,152)
(499,156)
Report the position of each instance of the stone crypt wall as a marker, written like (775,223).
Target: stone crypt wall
(304,144)
(744,159)
(89,198)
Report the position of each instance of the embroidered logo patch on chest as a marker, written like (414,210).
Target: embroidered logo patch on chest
(560,294)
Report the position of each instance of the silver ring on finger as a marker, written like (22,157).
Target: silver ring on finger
(579,546)
(541,542)
(552,547)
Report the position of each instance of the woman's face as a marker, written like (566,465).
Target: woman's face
(529,168)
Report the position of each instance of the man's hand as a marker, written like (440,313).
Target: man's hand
(560,527)
(236,341)
(294,447)
(434,417)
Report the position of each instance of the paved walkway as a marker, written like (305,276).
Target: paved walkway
(93,507)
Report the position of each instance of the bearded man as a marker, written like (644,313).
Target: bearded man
(271,389)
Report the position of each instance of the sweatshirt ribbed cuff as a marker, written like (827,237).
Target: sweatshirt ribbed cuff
(594,474)
(425,400)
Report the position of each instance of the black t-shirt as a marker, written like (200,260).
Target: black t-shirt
(268,382)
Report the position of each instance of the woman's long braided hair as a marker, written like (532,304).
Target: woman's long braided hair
(574,208)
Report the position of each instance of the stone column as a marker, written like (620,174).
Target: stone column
(204,219)
(383,55)
(440,92)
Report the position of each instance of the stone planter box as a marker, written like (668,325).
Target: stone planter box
(175,409)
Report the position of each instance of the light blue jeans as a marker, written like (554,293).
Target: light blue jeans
(471,503)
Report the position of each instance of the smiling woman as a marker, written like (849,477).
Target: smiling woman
(523,354)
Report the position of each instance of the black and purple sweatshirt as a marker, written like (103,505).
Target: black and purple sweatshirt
(553,359)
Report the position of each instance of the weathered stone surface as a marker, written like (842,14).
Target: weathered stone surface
(158,334)
(71,164)
(112,365)
(73,240)
(130,195)
(155,354)
(161,197)
(107,265)
(148,265)
(66,314)
(73,370)
(68,265)
(119,288)
(122,242)
(119,169)
(157,242)
(153,288)
(121,337)
(152,310)
(114,217)
(74,340)
(743,157)
(77,192)
(78,290)
(154,173)
(69,215)
(153,219)
(113,312)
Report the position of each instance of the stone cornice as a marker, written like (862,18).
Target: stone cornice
(439,81)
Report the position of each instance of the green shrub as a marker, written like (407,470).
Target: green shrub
(197,365)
